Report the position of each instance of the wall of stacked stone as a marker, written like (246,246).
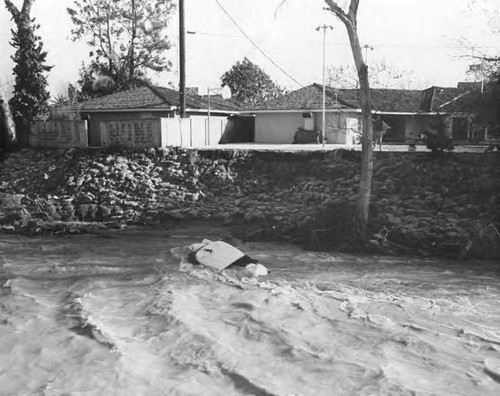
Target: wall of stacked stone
(446,205)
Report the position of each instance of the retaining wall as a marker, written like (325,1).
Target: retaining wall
(447,205)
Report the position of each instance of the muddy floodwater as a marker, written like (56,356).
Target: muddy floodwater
(116,314)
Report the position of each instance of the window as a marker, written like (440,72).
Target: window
(308,121)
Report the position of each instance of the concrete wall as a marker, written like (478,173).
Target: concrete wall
(277,127)
(59,133)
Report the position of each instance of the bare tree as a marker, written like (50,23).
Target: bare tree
(382,75)
(349,17)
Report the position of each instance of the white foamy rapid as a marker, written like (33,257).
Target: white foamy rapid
(119,315)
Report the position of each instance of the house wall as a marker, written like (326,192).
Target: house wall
(277,127)
(59,133)
(340,127)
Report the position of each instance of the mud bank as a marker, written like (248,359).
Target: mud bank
(422,205)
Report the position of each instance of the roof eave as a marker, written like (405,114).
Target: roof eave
(123,110)
(298,111)
(154,109)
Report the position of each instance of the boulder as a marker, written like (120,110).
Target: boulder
(11,201)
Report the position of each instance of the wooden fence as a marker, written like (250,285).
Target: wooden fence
(192,132)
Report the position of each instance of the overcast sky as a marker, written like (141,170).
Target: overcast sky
(426,37)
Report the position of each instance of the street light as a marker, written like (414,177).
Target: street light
(226,94)
(367,47)
(324,28)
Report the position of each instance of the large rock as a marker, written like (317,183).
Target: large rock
(11,201)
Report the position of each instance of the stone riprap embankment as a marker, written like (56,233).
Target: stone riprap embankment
(426,205)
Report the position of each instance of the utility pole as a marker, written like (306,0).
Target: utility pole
(182,60)
(323,129)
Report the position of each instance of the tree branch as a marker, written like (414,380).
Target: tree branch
(338,11)
(13,10)
(26,10)
(353,11)
(278,8)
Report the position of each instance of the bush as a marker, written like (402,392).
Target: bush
(437,142)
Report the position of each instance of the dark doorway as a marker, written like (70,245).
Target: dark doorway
(460,128)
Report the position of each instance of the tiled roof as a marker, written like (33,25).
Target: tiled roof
(134,98)
(311,98)
(434,99)
(196,101)
(463,103)
(468,101)
(217,101)
(151,97)
(307,98)
(385,100)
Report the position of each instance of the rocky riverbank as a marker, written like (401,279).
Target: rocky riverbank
(447,206)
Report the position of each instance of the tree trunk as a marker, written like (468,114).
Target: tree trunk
(131,68)
(365,183)
(7,128)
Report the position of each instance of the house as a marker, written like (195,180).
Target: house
(407,112)
(475,113)
(118,113)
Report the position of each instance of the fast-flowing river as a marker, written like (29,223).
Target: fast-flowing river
(116,314)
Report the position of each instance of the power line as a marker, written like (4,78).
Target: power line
(255,44)
(211,34)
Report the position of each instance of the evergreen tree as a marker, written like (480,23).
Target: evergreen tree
(250,84)
(30,89)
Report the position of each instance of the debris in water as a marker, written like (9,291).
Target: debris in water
(221,255)
(492,368)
